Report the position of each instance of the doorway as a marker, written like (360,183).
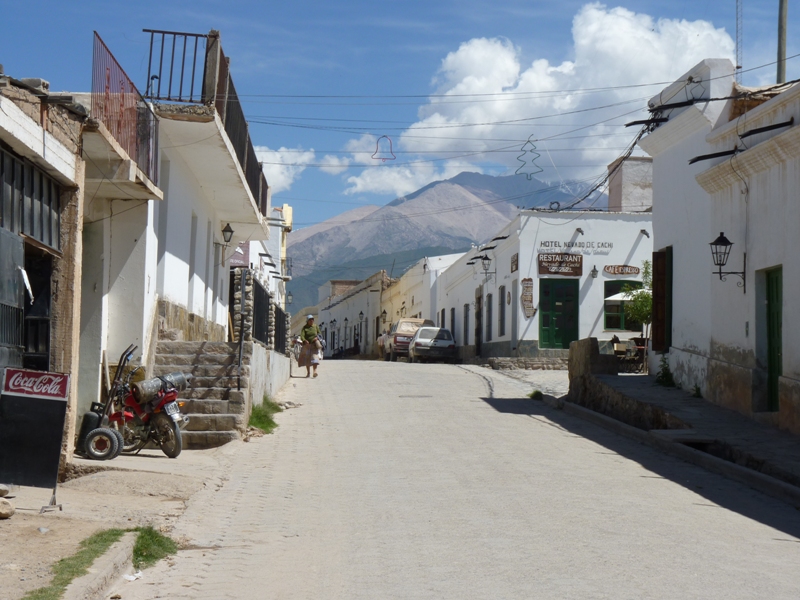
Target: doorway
(478,320)
(514,312)
(774,336)
(558,312)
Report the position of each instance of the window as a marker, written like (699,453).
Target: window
(466,325)
(614,306)
(442,323)
(489,317)
(453,322)
(501,312)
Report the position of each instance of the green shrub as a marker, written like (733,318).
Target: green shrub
(536,395)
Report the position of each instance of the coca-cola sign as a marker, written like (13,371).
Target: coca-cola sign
(37,384)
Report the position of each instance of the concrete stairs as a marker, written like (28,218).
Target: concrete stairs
(217,410)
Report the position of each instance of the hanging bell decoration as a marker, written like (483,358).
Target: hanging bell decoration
(383,149)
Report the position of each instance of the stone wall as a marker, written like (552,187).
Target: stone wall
(243,316)
(65,283)
(175,323)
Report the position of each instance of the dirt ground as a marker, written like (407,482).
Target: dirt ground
(130,491)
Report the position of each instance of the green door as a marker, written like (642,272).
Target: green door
(558,312)
(774,335)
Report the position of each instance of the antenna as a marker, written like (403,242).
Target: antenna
(739,41)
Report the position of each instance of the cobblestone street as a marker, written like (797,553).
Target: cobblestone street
(435,481)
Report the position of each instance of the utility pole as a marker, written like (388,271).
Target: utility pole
(783,12)
(739,20)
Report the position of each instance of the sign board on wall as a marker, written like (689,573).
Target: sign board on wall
(561,264)
(527,298)
(241,256)
(621,270)
(33,405)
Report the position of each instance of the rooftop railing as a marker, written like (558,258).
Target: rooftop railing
(123,110)
(191,68)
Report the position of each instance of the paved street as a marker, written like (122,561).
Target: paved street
(436,481)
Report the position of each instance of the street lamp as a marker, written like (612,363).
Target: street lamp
(594,272)
(383,317)
(720,251)
(289,297)
(333,323)
(361,316)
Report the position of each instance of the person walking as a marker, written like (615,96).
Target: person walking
(312,347)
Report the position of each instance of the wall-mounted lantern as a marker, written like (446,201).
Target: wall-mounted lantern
(227,233)
(333,323)
(361,316)
(594,272)
(289,297)
(720,251)
(383,317)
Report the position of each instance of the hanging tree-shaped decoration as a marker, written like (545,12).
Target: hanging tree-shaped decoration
(528,159)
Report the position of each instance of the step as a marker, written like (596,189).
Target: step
(166,347)
(209,407)
(200,440)
(203,370)
(231,395)
(220,382)
(223,422)
(201,359)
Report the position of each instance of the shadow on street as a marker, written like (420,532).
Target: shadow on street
(753,505)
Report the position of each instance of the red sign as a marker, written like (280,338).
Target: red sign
(35,384)
(621,270)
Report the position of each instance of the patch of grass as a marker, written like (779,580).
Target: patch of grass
(151,546)
(664,376)
(261,415)
(76,565)
(697,392)
(536,395)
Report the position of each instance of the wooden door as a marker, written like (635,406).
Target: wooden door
(774,336)
(558,312)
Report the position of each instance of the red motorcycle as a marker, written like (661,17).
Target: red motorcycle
(148,411)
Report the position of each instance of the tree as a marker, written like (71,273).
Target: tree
(639,304)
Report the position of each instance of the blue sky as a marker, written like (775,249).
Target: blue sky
(456,85)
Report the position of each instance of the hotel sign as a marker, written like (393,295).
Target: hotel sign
(570,265)
(621,270)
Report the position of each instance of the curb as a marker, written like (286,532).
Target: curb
(763,483)
(105,570)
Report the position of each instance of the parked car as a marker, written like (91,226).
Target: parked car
(400,335)
(432,343)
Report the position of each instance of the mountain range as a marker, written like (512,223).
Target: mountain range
(441,218)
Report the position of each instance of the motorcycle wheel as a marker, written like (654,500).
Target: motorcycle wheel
(168,433)
(101,444)
(134,436)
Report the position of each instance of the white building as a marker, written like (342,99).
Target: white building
(729,340)
(541,283)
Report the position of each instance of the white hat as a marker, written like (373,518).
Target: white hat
(309,317)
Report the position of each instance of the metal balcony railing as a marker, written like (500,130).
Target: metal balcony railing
(177,61)
(121,108)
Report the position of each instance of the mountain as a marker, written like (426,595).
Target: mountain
(440,218)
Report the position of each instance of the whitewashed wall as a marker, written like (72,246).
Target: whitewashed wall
(190,274)
(682,216)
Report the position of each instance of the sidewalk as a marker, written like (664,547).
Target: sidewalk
(698,431)
(127,492)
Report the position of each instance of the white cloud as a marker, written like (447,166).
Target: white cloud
(334,165)
(283,166)
(612,48)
